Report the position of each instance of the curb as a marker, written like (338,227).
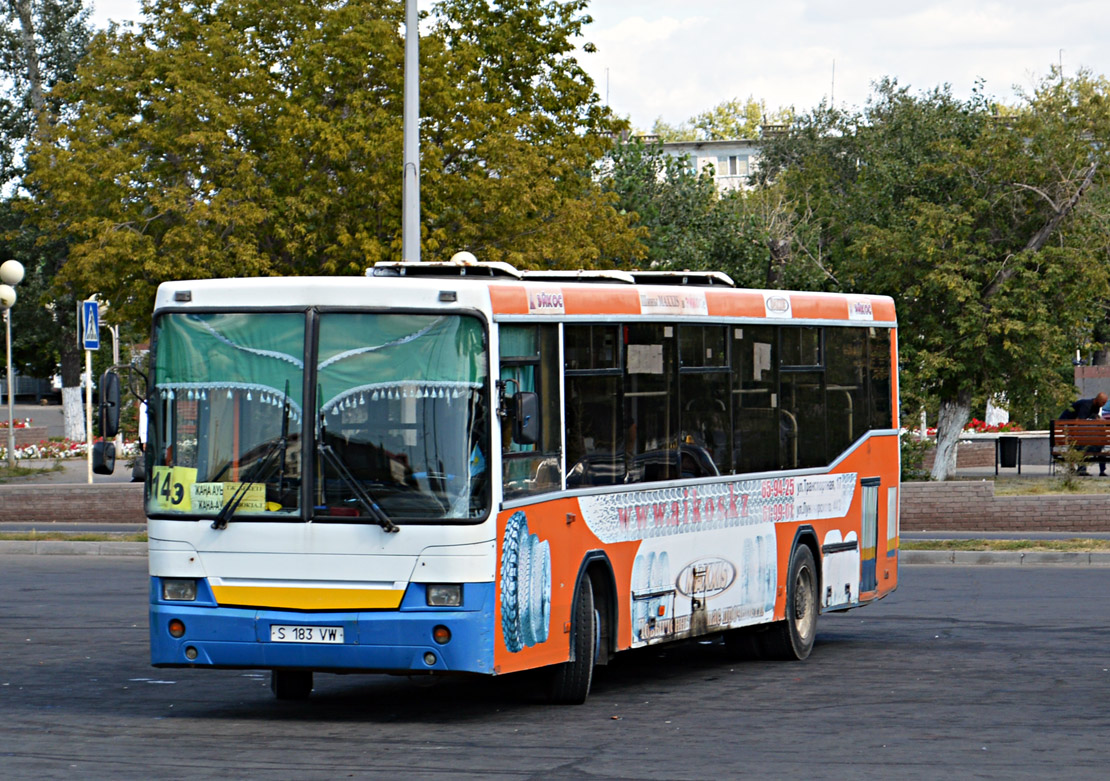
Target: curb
(910,558)
(1005,558)
(71,548)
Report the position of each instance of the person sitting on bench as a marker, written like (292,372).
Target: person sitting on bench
(1088,409)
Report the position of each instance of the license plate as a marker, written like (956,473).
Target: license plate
(285,633)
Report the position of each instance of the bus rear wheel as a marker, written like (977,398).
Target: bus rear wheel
(792,638)
(291,684)
(570,681)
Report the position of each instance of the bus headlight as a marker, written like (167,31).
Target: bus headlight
(444,595)
(179,589)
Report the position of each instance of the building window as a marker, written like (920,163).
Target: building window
(732,165)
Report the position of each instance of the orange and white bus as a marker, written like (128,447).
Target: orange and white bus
(461,467)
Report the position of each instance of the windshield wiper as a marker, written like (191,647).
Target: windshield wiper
(361,496)
(278,445)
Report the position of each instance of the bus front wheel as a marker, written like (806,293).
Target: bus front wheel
(570,681)
(793,637)
(291,684)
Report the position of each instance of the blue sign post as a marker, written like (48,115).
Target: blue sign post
(90,340)
(90,325)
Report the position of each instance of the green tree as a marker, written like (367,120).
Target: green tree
(41,44)
(668,199)
(971,221)
(253,137)
(729,119)
(687,223)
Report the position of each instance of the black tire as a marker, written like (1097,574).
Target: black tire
(570,682)
(793,637)
(291,684)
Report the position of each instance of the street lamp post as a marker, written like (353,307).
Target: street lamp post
(11,274)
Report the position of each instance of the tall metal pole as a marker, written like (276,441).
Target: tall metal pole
(115,362)
(88,413)
(410,211)
(11,412)
(11,274)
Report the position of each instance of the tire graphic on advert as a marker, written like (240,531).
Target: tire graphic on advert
(651,585)
(525,586)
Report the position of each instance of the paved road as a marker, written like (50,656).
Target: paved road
(991,672)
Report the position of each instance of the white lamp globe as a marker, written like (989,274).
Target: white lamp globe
(7,296)
(11,272)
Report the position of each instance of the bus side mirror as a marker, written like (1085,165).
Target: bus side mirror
(104,457)
(526,418)
(109,406)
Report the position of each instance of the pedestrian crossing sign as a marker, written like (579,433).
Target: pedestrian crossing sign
(90,325)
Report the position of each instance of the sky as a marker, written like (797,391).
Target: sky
(672,59)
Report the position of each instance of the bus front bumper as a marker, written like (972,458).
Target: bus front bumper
(392,641)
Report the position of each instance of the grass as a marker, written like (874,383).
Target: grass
(11,473)
(1038,486)
(38,536)
(1074,545)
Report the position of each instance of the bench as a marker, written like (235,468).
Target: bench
(1081,434)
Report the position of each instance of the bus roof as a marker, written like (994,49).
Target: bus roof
(507,293)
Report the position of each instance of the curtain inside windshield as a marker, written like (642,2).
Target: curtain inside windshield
(402,406)
(225,413)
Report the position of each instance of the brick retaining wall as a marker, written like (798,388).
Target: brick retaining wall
(72,503)
(28,435)
(949,506)
(972,506)
(968,455)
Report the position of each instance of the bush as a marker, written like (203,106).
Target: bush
(913,456)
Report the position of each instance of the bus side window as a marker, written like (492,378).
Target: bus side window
(802,398)
(598,438)
(529,355)
(755,433)
(704,375)
(846,392)
(651,403)
(882,416)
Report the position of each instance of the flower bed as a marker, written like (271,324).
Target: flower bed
(58,449)
(981,427)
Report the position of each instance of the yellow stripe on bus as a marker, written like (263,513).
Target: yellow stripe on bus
(308,598)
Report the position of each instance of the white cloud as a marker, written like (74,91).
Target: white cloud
(673,59)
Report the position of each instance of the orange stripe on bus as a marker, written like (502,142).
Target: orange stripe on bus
(817,307)
(722,303)
(883,309)
(508,299)
(601,300)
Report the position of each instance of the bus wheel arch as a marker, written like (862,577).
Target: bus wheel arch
(593,632)
(597,566)
(793,637)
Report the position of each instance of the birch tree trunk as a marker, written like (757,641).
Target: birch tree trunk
(954,414)
(74,413)
(73,401)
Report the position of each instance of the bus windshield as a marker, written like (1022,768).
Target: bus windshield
(225,410)
(402,405)
(401,410)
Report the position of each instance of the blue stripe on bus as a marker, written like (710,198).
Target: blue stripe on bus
(379,640)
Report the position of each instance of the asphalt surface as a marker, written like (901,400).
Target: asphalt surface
(964,672)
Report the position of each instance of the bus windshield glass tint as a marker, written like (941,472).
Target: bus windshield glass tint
(225,414)
(402,404)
